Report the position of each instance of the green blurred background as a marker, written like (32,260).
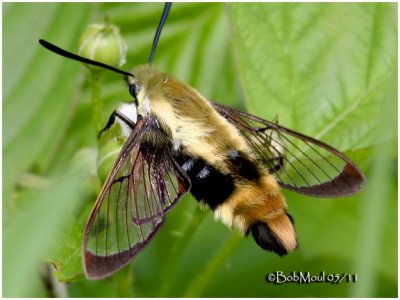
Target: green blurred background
(327,70)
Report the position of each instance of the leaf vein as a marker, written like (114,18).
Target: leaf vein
(352,107)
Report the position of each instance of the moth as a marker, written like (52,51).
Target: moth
(235,163)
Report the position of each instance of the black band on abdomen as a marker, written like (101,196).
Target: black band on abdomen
(242,167)
(208,184)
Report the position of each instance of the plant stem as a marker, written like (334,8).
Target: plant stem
(196,288)
(33,181)
(178,250)
(96,100)
(123,283)
(374,208)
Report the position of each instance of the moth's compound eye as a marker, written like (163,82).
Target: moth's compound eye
(134,90)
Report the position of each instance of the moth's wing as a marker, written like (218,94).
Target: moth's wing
(300,163)
(144,183)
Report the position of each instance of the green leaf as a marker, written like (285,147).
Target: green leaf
(38,98)
(67,259)
(323,68)
(32,231)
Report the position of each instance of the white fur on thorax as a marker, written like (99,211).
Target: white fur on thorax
(185,132)
(129,110)
(144,103)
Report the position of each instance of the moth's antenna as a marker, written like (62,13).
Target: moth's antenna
(62,52)
(159,29)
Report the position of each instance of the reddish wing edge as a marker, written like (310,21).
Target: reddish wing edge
(351,179)
(348,182)
(95,266)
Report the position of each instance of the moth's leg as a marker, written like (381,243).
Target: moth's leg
(275,147)
(121,115)
(277,150)
(275,120)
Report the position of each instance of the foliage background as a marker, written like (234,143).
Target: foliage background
(327,70)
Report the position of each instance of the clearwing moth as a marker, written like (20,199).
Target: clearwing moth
(232,161)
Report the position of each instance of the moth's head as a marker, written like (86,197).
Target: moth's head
(144,81)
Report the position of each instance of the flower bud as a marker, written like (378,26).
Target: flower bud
(84,163)
(108,153)
(103,43)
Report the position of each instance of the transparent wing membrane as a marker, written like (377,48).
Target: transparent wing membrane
(300,163)
(144,183)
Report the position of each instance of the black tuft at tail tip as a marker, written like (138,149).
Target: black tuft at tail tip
(266,239)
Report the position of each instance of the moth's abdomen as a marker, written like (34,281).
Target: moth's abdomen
(246,198)
(258,206)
